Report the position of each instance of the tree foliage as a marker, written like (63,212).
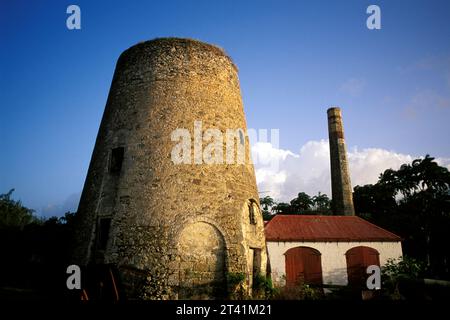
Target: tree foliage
(414,202)
(35,252)
(13,213)
(267,204)
(302,204)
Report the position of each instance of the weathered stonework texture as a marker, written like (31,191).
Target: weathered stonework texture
(341,186)
(173,228)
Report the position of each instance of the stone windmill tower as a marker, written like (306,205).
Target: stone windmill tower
(176,228)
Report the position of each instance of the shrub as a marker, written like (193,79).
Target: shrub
(236,285)
(399,269)
(263,287)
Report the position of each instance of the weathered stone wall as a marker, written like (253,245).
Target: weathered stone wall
(201,261)
(156,206)
(341,186)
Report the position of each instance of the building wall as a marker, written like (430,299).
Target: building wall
(334,264)
(154,204)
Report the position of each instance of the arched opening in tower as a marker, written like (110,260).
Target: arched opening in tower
(201,262)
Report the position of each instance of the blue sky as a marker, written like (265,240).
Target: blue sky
(295,59)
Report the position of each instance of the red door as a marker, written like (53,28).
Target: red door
(303,266)
(358,259)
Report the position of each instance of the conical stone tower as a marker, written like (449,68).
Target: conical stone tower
(170,197)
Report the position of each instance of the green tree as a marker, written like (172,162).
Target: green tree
(282,208)
(321,203)
(267,204)
(302,203)
(13,213)
(396,270)
(374,201)
(34,251)
(414,202)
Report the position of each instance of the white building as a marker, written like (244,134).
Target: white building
(326,249)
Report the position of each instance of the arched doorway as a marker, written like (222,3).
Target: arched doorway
(201,271)
(358,259)
(303,266)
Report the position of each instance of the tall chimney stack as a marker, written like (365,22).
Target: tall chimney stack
(341,187)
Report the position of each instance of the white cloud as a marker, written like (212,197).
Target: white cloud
(309,170)
(444,162)
(367,164)
(305,171)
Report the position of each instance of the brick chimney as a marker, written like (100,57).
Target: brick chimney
(341,187)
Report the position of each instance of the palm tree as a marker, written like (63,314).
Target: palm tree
(302,203)
(321,203)
(266,202)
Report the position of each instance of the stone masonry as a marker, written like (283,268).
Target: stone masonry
(341,187)
(172,230)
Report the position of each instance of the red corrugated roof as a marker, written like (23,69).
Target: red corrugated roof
(325,228)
